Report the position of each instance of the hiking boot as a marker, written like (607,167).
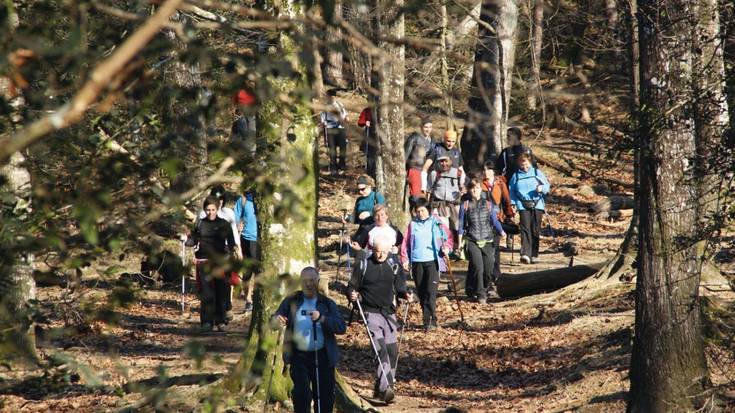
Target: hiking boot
(221,327)
(248,308)
(492,293)
(205,328)
(525,259)
(429,327)
(534,260)
(389,395)
(482,300)
(228,316)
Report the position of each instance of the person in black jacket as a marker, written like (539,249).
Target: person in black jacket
(507,162)
(311,320)
(376,281)
(214,238)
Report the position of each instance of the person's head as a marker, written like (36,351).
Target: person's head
(450,139)
(426,126)
(421,208)
(211,205)
(381,249)
(364,185)
(445,163)
(310,282)
(331,95)
(380,214)
(475,188)
(514,136)
(218,191)
(524,162)
(488,170)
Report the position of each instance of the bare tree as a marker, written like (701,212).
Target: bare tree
(392,69)
(334,49)
(537,34)
(489,101)
(668,366)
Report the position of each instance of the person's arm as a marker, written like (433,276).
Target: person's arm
(399,236)
(283,313)
(354,284)
(399,285)
(409,146)
(505,201)
(379,199)
(496,223)
(332,321)
(501,161)
(405,247)
(460,221)
(513,188)
(230,237)
(447,236)
(545,186)
(193,238)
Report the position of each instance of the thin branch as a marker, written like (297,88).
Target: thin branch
(72,112)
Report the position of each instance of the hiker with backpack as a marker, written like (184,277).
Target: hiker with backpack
(247,225)
(528,186)
(507,162)
(332,121)
(495,187)
(376,282)
(417,146)
(365,203)
(214,239)
(448,147)
(381,228)
(310,348)
(480,228)
(427,239)
(445,187)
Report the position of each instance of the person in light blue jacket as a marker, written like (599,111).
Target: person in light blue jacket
(528,186)
(247,224)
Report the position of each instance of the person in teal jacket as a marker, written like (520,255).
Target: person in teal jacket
(247,223)
(528,186)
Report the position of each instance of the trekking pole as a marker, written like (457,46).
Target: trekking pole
(316,364)
(326,139)
(273,370)
(183,274)
(367,149)
(400,339)
(512,247)
(454,287)
(370,336)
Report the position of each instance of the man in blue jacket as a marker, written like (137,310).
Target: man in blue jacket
(311,320)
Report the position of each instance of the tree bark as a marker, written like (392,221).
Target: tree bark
(668,368)
(17,286)
(334,50)
(487,117)
(633,53)
(392,71)
(360,62)
(446,84)
(727,13)
(534,84)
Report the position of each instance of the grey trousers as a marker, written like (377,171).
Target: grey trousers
(384,330)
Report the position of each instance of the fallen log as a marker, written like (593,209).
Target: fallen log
(514,285)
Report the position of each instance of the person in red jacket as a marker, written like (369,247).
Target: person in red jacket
(370,140)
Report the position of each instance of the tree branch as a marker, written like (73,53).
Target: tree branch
(73,111)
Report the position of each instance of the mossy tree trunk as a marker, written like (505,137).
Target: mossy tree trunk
(668,367)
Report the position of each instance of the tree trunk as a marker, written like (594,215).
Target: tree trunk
(534,84)
(633,54)
(360,62)
(668,368)
(446,85)
(727,13)
(487,117)
(611,12)
(334,50)
(514,285)
(392,70)
(186,115)
(17,286)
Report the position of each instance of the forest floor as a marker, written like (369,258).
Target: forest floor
(541,353)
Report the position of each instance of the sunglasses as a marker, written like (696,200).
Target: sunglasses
(361,188)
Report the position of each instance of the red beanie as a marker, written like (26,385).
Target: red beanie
(244,98)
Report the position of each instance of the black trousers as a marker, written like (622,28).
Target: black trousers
(214,295)
(303,374)
(480,270)
(337,138)
(530,231)
(250,252)
(426,277)
(370,147)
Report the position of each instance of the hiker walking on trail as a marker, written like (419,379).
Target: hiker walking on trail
(445,185)
(478,226)
(495,188)
(366,202)
(228,214)
(332,121)
(528,186)
(376,282)
(449,148)
(311,320)
(214,239)
(247,224)
(370,142)
(426,240)
(507,162)
(418,145)
(382,228)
